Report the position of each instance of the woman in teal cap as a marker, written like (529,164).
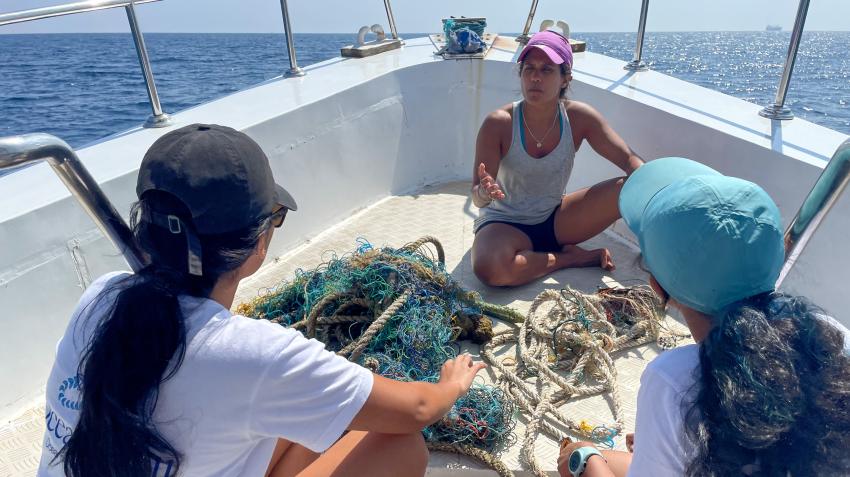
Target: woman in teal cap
(527,227)
(766,389)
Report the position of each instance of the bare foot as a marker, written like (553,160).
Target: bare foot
(606,261)
(573,256)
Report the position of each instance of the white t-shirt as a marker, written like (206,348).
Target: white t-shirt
(243,384)
(661,446)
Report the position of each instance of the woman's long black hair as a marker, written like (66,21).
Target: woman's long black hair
(772,394)
(141,342)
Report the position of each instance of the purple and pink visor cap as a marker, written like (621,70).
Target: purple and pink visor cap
(556,47)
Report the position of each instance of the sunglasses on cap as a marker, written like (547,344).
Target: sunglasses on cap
(278,215)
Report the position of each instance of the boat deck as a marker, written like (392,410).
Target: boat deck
(446,213)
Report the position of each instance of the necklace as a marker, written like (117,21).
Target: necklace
(540,141)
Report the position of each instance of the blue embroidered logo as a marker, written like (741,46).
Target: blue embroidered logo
(56,427)
(162,468)
(69,393)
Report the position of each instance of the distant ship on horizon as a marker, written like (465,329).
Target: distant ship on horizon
(773,28)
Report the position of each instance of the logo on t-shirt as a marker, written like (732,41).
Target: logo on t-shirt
(162,468)
(56,427)
(69,393)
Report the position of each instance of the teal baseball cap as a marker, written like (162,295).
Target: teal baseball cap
(709,240)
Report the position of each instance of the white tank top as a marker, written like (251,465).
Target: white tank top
(533,187)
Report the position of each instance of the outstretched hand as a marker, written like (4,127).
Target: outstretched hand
(487,186)
(460,371)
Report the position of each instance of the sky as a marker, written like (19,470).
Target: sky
(343,16)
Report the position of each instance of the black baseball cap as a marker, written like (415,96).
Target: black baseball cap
(220,174)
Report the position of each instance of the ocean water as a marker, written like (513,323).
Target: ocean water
(83,87)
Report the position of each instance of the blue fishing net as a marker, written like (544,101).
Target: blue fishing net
(339,300)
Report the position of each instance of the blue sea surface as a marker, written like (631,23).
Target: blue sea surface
(83,87)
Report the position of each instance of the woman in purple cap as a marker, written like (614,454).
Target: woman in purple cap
(527,227)
(765,391)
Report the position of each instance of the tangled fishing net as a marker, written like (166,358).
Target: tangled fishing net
(399,313)
(562,351)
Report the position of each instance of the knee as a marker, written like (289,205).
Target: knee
(410,451)
(419,452)
(491,273)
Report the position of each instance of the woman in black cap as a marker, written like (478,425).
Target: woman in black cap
(155,376)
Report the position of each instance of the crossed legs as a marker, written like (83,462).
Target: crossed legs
(503,256)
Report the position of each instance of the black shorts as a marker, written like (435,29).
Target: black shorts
(542,235)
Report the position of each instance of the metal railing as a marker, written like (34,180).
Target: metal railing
(18,151)
(777,110)
(523,39)
(293,70)
(637,64)
(66,9)
(158,117)
(824,194)
(391,19)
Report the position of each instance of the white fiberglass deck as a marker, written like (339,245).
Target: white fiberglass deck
(446,213)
